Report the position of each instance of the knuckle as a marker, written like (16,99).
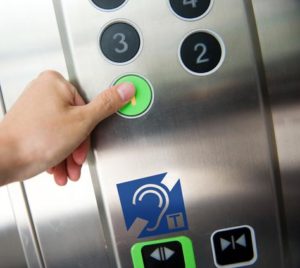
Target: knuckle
(51,74)
(66,86)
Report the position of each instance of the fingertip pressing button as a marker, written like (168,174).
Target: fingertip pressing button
(141,103)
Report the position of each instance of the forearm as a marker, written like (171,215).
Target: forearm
(11,161)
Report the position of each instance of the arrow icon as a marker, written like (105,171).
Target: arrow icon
(242,241)
(133,101)
(224,244)
(162,254)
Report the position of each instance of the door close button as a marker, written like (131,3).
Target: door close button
(234,247)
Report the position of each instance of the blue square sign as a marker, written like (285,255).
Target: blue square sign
(157,201)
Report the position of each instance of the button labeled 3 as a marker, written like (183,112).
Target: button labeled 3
(120,42)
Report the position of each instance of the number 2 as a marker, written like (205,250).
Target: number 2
(121,42)
(190,2)
(200,58)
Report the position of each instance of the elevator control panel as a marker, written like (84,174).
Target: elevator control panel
(200,52)
(184,179)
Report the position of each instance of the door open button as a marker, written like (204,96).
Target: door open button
(163,255)
(143,99)
(176,252)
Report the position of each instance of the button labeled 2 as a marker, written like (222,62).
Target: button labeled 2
(165,253)
(202,52)
(120,42)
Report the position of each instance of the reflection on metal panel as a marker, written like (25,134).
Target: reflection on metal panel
(206,139)
(11,252)
(25,225)
(210,130)
(67,222)
(278,26)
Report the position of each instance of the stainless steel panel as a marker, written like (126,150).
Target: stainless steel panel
(65,220)
(19,204)
(11,252)
(211,131)
(279,32)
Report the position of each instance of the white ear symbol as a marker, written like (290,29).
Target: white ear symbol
(162,196)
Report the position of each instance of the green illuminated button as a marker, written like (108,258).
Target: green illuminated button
(171,252)
(143,99)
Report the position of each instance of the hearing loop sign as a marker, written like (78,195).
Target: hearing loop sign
(155,202)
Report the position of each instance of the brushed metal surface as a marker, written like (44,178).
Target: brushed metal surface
(279,32)
(26,229)
(210,131)
(11,251)
(66,220)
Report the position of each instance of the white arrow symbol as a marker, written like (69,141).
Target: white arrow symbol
(224,244)
(168,253)
(156,254)
(162,254)
(242,241)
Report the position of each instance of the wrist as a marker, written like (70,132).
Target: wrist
(12,160)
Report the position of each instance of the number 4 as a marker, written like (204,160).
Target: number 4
(190,2)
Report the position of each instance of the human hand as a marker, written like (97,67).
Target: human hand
(50,126)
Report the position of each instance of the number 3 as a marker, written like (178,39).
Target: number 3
(121,42)
(200,58)
(190,2)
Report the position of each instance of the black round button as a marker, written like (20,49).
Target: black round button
(108,4)
(120,42)
(191,9)
(202,52)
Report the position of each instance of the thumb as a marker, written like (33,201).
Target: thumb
(109,101)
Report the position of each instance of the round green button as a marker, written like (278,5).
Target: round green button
(142,101)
